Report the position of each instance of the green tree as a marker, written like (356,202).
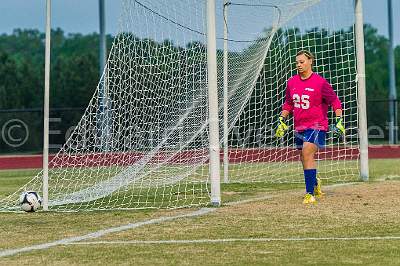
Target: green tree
(74,80)
(9,95)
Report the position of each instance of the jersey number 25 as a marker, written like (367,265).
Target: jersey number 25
(302,102)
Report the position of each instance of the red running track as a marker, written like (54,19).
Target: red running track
(235,156)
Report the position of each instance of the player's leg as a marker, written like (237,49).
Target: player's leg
(310,172)
(319,139)
(314,140)
(305,149)
(308,154)
(309,167)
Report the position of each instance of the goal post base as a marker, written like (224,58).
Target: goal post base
(215,203)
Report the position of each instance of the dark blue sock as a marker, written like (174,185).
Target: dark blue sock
(310,178)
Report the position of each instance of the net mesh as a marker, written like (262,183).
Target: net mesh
(143,139)
(254,153)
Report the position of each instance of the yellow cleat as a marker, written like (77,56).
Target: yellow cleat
(317,189)
(309,199)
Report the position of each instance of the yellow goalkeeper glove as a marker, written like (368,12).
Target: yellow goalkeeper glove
(339,129)
(282,127)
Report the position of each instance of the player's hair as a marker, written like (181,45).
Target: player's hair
(308,54)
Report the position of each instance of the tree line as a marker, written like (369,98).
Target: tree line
(74,68)
(75,74)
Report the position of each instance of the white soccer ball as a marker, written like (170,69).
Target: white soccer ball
(30,201)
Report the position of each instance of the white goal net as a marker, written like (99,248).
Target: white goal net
(143,139)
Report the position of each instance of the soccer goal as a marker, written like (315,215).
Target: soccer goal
(144,139)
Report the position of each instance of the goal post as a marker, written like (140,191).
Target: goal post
(46,106)
(213,105)
(225,93)
(362,103)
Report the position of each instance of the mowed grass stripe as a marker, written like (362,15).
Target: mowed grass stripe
(100,233)
(194,241)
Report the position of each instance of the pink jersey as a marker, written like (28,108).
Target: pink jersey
(309,100)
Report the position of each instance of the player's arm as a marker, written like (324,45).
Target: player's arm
(339,112)
(330,97)
(285,114)
(287,108)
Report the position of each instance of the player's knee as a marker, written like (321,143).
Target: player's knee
(307,154)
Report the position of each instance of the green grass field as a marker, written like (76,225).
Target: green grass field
(354,224)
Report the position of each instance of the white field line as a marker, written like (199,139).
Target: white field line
(228,240)
(100,233)
(234,203)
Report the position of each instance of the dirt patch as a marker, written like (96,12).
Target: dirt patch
(360,209)
(365,209)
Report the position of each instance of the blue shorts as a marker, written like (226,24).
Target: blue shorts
(310,135)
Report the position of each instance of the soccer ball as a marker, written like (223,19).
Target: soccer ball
(30,201)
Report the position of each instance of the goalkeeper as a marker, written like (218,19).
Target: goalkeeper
(308,96)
